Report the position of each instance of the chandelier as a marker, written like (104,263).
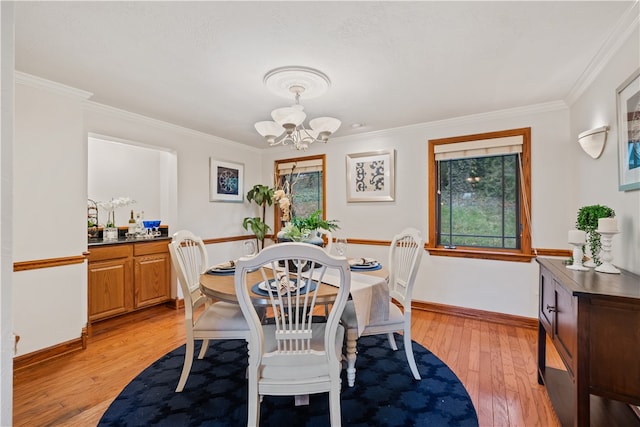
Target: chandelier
(287,127)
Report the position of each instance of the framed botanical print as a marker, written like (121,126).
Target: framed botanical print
(371,176)
(628,99)
(226,181)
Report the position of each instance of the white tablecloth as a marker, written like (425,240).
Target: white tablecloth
(370,295)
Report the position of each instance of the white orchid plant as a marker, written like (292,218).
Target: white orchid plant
(283,194)
(284,203)
(112,205)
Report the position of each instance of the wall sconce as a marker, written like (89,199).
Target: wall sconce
(592,141)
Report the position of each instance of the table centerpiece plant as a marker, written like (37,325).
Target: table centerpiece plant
(303,228)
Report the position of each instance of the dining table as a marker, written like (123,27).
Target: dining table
(369,290)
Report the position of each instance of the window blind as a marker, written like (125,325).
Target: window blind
(478,148)
(313,165)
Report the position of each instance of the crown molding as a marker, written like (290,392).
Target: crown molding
(160,124)
(50,86)
(506,113)
(470,119)
(61,89)
(623,29)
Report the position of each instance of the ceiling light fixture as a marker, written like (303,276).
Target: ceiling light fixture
(288,126)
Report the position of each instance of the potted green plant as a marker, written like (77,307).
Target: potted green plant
(587,221)
(262,195)
(302,228)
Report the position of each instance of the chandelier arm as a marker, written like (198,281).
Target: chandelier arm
(306,135)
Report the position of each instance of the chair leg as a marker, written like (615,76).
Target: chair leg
(253,401)
(392,341)
(186,368)
(408,349)
(203,349)
(334,407)
(352,337)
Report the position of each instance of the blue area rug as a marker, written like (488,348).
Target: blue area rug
(385,393)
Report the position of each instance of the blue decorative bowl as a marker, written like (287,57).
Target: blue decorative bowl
(151,224)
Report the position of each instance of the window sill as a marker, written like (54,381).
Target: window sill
(480,254)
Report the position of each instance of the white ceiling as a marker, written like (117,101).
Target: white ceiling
(201,64)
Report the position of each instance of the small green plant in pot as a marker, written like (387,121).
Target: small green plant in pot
(262,195)
(587,221)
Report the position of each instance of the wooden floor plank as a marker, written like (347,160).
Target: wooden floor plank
(485,387)
(514,409)
(500,411)
(497,365)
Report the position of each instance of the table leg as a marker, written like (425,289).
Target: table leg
(352,338)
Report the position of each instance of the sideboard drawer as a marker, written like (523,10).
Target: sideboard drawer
(109,252)
(149,248)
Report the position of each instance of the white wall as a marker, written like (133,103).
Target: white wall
(506,287)
(118,169)
(7,66)
(596,180)
(193,149)
(49,214)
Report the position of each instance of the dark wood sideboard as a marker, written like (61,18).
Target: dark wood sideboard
(593,321)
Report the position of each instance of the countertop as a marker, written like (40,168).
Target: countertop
(593,283)
(123,240)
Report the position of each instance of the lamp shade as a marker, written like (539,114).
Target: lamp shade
(325,124)
(288,116)
(269,128)
(592,141)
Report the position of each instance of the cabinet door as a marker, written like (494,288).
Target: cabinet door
(110,291)
(566,328)
(151,281)
(547,300)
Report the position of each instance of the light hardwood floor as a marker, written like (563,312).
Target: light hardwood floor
(496,363)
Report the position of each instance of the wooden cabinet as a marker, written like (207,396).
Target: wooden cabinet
(152,274)
(127,276)
(109,288)
(558,309)
(593,321)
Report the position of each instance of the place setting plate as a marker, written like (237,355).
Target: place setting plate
(364,264)
(225,269)
(262,288)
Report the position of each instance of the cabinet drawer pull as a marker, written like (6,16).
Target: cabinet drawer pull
(551,308)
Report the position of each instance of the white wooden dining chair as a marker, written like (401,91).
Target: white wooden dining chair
(297,353)
(327,248)
(405,254)
(219,320)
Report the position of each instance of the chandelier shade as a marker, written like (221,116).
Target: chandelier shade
(288,126)
(289,116)
(325,126)
(270,130)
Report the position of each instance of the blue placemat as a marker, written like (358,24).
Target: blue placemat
(221,272)
(366,267)
(256,290)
